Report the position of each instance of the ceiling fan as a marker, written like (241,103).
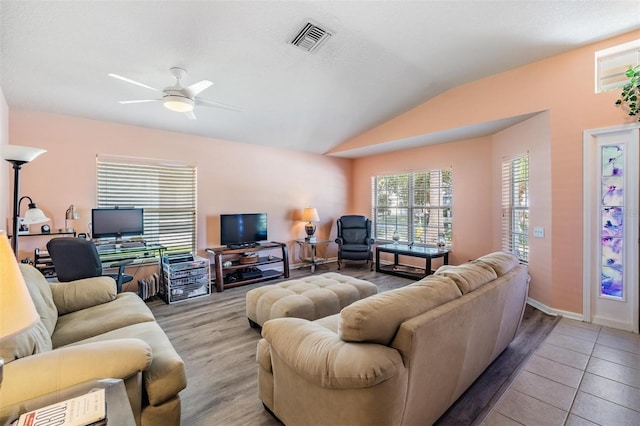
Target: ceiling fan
(177,98)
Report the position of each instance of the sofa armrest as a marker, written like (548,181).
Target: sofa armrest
(36,375)
(81,294)
(320,356)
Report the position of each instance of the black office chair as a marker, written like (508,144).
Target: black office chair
(77,258)
(354,239)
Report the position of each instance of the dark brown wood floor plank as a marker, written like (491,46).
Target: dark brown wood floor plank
(213,336)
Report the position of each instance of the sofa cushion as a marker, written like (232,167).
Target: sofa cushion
(500,261)
(40,292)
(468,276)
(80,294)
(126,309)
(32,341)
(377,318)
(166,376)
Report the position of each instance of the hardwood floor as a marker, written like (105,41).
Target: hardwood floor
(212,335)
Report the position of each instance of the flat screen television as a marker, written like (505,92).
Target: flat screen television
(242,229)
(117,222)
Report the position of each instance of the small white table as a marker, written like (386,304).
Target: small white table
(313,258)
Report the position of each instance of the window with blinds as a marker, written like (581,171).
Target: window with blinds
(415,205)
(613,63)
(166,191)
(515,206)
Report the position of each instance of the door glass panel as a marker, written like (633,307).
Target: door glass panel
(611,221)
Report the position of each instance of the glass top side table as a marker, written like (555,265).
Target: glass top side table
(313,258)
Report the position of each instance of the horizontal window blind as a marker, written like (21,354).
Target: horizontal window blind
(166,192)
(416,205)
(515,206)
(612,64)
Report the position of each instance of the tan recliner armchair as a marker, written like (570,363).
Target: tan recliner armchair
(87,331)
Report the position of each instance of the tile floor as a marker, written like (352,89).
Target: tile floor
(583,374)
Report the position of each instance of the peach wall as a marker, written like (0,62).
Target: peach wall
(562,85)
(232,177)
(471,180)
(530,137)
(5,191)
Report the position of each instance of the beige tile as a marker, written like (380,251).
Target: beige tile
(553,370)
(620,340)
(571,343)
(612,391)
(576,323)
(613,371)
(528,410)
(544,389)
(563,356)
(574,420)
(616,355)
(566,329)
(496,419)
(603,412)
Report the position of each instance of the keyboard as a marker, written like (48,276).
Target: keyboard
(105,247)
(132,244)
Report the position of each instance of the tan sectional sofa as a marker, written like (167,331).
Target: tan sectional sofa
(400,357)
(86,331)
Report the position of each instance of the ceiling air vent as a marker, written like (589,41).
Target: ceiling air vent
(310,37)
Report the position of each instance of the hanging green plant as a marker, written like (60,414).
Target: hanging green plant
(630,96)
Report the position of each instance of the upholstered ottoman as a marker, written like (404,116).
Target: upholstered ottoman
(311,297)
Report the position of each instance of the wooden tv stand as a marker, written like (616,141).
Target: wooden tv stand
(224,274)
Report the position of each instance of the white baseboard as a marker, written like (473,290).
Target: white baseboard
(555,312)
(612,324)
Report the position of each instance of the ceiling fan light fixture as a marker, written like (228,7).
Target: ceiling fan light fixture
(177,103)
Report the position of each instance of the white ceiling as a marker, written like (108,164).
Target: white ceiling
(384,58)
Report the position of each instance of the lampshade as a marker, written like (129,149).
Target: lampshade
(177,103)
(72,213)
(310,214)
(17,312)
(23,154)
(33,214)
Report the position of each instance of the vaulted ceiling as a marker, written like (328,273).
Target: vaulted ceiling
(382,58)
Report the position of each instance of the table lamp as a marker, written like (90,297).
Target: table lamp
(310,214)
(17,312)
(70,214)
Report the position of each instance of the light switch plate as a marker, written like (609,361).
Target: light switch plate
(538,232)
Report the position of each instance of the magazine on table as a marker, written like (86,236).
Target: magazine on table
(89,409)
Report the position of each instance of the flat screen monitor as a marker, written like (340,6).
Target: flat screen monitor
(117,222)
(243,228)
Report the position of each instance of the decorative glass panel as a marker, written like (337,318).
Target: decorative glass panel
(612,229)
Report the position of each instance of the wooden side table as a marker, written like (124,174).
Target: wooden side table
(400,270)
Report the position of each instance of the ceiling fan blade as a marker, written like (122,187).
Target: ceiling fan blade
(139,101)
(215,104)
(128,80)
(198,87)
(190,115)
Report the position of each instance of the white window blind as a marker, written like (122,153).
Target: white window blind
(515,206)
(612,64)
(166,191)
(416,205)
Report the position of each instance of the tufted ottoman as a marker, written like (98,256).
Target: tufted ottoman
(311,297)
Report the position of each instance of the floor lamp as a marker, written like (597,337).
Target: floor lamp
(18,155)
